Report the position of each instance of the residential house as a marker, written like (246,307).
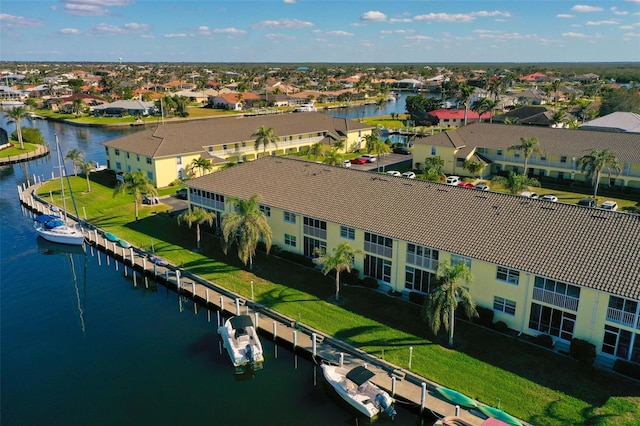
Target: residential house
(628,122)
(551,278)
(122,108)
(452,118)
(164,153)
(529,115)
(560,150)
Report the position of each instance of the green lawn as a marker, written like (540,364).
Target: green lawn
(531,383)
(15,150)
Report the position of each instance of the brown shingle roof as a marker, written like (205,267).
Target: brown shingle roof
(191,137)
(572,143)
(574,244)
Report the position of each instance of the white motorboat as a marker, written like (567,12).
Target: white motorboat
(241,340)
(306,108)
(52,228)
(355,388)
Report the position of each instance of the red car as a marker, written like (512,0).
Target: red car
(359,160)
(465,184)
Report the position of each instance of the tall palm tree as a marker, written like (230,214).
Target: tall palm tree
(203,164)
(527,146)
(137,184)
(196,216)
(441,303)
(244,226)
(265,136)
(381,149)
(76,157)
(341,259)
(332,158)
(315,150)
(370,141)
(77,105)
(595,162)
(515,183)
(86,167)
(15,115)
(464,94)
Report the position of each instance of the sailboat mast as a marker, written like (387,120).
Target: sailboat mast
(60,170)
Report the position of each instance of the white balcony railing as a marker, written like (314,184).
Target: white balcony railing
(560,300)
(625,318)
(233,150)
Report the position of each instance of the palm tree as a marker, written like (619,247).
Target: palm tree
(265,136)
(332,158)
(441,303)
(198,217)
(474,167)
(527,146)
(464,93)
(86,167)
(76,157)
(15,115)
(137,184)
(515,183)
(340,259)
(595,162)
(315,150)
(381,149)
(203,164)
(370,141)
(244,226)
(77,105)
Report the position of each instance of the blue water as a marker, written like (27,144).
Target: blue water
(399,107)
(81,344)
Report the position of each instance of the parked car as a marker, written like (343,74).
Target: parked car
(529,194)
(587,202)
(465,184)
(394,173)
(182,193)
(482,187)
(150,200)
(409,175)
(346,163)
(358,160)
(549,198)
(609,205)
(453,180)
(401,150)
(369,158)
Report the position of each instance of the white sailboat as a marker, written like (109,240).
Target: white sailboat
(53,227)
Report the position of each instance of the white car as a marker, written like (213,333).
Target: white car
(549,198)
(409,175)
(453,180)
(482,187)
(394,173)
(529,194)
(370,158)
(609,205)
(346,163)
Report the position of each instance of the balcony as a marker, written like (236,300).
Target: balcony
(250,148)
(618,316)
(559,300)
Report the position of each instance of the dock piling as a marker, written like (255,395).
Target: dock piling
(423,395)
(275,330)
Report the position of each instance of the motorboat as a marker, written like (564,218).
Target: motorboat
(306,108)
(53,228)
(354,386)
(241,340)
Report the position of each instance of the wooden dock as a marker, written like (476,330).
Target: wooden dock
(413,391)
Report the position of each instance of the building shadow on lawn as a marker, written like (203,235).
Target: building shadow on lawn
(348,335)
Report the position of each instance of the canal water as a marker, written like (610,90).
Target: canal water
(82,344)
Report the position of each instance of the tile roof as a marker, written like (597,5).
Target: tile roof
(572,143)
(570,243)
(191,137)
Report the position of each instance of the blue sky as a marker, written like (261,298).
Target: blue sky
(302,31)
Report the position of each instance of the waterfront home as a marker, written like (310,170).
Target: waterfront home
(543,268)
(451,118)
(560,150)
(165,152)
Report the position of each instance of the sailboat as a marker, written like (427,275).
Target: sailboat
(53,227)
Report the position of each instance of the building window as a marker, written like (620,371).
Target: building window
(508,275)
(499,152)
(348,233)
(623,311)
(455,259)
(148,160)
(315,227)
(552,321)
(265,210)
(179,160)
(312,246)
(433,150)
(289,217)
(289,240)
(150,176)
(504,305)
(117,152)
(106,150)
(543,158)
(377,268)
(378,244)
(556,293)
(418,280)
(128,155)
(422,256)
(563,159)
(118,165)
(621,343)
(516,154)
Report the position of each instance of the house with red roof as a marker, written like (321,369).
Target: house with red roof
(452,118)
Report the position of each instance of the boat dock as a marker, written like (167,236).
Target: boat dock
(409,389)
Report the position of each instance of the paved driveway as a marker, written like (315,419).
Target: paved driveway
(390,162)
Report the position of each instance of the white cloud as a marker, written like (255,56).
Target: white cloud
(180,35)
(230,30)
(400,20)
(92,7)
(619,12)
(574,35)
(294,24)
(278,37)
(204,30)
(605,22)
(289,1)
(107,29)
(373,15)
(586,8)
(631,35)
(339,34)
(11,21)
(135,27)
(460,17)
(419,38)
(71,31)
(565,16)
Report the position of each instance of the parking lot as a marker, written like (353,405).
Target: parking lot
(389,162)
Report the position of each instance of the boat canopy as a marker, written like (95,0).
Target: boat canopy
(49,221)
(359,375)
(241,322)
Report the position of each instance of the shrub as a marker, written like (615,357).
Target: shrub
(582,350)
(370,282)
(417,298)
(501,327)
(352,277)
(627,368)
(485,316)
(297,258)
(544,340)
